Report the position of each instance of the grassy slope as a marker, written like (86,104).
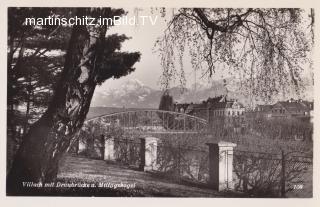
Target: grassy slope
(80,169)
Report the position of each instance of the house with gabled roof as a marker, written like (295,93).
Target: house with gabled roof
(213,108)
(292,109)
(263,110)
(228,108)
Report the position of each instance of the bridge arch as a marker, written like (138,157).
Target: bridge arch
(151,120)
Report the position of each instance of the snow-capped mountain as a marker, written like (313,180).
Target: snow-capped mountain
(131,94)
(134,94)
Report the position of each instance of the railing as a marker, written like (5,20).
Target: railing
(298,174)
(149,120)
(187,163)
(265,174)
(288,174)
(148,111)
(177,162)
(127,151)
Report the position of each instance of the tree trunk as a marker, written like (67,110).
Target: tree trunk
(42,147)
(28,100)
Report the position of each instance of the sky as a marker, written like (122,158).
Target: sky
(143,38)
(148,70)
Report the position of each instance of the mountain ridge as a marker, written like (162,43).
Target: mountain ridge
(135,94)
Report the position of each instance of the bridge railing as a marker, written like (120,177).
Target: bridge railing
(151,120)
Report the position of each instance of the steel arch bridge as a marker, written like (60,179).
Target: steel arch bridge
(150,121)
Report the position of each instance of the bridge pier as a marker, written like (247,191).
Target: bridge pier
(221,165)
(148,153)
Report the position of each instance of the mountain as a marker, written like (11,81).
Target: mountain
(132,94)
(135,94)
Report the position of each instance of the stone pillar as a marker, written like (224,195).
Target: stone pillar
(194,167)
(109,151)
(148,153)
(221,165)
(102,143)
(81,146)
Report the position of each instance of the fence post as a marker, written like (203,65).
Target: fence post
(221,165)
(102,146)
(82,146)
(148,153)
(109,149)
(179,161)
(283,174)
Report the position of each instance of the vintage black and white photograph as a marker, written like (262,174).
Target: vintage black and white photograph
(160,102)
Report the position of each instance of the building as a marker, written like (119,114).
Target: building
(199,110)
(286,109)
(264,111)
(227,108)
(212,108)
(293,109)
(182,108)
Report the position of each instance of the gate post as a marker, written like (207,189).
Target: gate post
(221,165)
(82,146)
(283,175)
(148,153)
(109,152)
(102,146)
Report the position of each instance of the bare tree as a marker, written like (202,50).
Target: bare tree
(266,48)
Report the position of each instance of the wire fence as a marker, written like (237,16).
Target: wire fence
(187,163)
(127,151)
(274,175)
(258,174)
(298,176)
